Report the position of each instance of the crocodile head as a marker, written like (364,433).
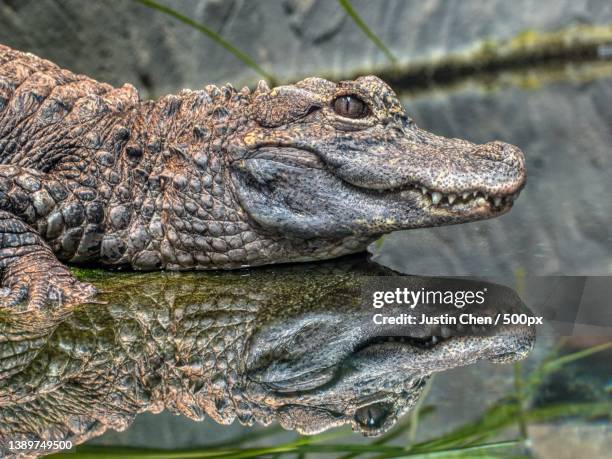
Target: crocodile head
(325,369)
(329,161)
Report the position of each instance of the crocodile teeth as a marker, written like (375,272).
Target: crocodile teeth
(480,198)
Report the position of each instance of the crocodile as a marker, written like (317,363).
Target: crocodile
(294,346)
(218,178)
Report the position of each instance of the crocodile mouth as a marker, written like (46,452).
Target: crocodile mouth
(456,202)
(301,194)
(313,385)
(460,201)
(399,346)
(426,342)
(396,368)
(389,353)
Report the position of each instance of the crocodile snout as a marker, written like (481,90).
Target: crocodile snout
(509,164)
(503,152)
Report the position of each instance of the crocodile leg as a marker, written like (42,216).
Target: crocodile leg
(31,271)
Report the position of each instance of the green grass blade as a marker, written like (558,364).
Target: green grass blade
(403,426)
(241,55)
(563,360)
(416,411)
(565,410)
(346,4)
(521,399)
(119,452)
(555,364)
(479,451)
(491,422)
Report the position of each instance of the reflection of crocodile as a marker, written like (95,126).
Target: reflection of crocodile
(218,178)
(273,345)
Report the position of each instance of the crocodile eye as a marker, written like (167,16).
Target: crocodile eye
(373,416)
(350,107)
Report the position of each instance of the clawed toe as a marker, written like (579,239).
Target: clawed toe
(46,291)
(77,292)
(31,276)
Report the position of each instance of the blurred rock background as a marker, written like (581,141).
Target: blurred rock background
(120,41)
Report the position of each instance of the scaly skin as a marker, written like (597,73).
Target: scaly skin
(277,345)
(218,179)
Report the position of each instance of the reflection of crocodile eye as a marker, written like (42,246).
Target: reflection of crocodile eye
(350,107)
(372,416)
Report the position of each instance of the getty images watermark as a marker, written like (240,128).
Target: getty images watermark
(407,301)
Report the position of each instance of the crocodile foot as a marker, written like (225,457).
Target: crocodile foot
(39,279)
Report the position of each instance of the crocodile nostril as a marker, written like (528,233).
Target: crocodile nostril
(512,156)
(501,152)
(492,151)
